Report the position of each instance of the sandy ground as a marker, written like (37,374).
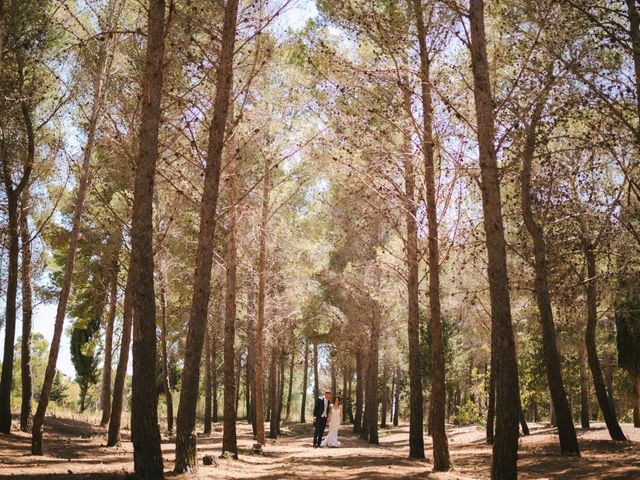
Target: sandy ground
(75,450)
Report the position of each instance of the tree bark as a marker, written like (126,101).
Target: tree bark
(396,411)
(505,445)
(316,374)
(344,400)
(113,438)
(13,194)
(291,366)
(566,430)
(166,383)
(229,441)
(262,285)
(584,387)
(273,417)
(385,396)
(145,432)
(441,461)
(357,422)
(635,382)
(186,436)
(305,380)
(371,394)
(105,394)
(592,354)
(251,355)
(27,313)
(214,374)
(63,298)
(207,381)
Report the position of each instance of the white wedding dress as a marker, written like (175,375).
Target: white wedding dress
(335,417)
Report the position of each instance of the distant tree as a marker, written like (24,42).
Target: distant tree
(84,356)
(58,389)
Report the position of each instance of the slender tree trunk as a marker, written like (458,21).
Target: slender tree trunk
(291,366)
(584,386)
(113,438)
(238,374)
(229,441)
(396,411)
(357,423)
(305,380)
(251,355)
(83,185)
(385,396)
(214,374)
(344,400)
(350,397)
(505,446)
(334,376)
(416,440)
(366,413)
(207,381)
(145,432)
(262,285)
(491,402)
(441,461)
(523,421)
(27,312)
(635,381)
(166,383)
(566,430)
(316,374)
(13,195)
(273,417)
(105,394)
(186,420)
(280,391)
(592,354)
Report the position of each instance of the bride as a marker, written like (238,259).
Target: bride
(335,417)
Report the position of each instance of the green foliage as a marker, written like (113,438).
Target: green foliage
(467,414)
(59,389)
(627,318)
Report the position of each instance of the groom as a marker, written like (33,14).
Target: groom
(320,414)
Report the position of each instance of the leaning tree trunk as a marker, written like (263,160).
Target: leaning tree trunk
(63,298)
(27,313)
(584,387)
(592,354)
(113,438)
(145,432)
(105,394)
(262,285)
(566,430)
(186,420)
(305,380)
(505,445)
(441,461)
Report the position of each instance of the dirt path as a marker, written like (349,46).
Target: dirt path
(75,450)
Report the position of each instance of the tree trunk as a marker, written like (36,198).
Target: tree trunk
(350,397)
(385,396)
(505,446)
(291,366)
(344,400)
(262,285)
(251,355)
(334,376)
(113,438)
(186,420)
(416,440)
(273,417)
(523,421)
(316,375)
(27,311)
(13,194)
(83,185)
(566,430)
(214,374)
(229,441)
(635,381)
(305,380)
(396,411)
(584,386)
(166,383)
(145,432)
(441,461)
(634,34)
(105,395)
(491,403)
(592,354)
(280,391)
(357,422)
(207,381)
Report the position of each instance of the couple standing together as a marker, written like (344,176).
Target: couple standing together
(325,411)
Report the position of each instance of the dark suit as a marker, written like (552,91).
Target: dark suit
(321,422)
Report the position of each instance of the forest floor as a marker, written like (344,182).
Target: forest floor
(75,450)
